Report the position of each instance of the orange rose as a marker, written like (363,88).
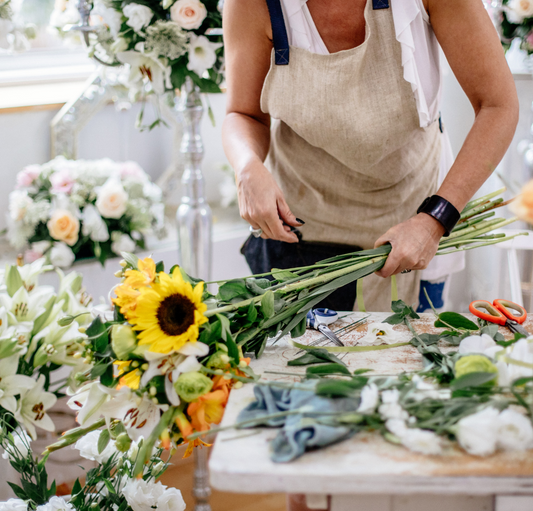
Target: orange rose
(522,206)
(64,226)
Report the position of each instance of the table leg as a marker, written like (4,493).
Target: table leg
(201,489)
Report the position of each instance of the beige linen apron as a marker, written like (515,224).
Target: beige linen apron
(347,148)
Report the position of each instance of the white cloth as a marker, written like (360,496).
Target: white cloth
(421,68)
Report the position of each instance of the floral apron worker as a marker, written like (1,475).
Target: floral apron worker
(347,148)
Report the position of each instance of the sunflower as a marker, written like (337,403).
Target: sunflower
(169,313)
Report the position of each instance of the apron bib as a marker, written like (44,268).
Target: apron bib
(346,147)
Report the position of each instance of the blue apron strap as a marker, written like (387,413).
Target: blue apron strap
(279,33)
(380,4)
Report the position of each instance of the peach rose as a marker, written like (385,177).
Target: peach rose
(522,206)
(64,226)
(188,14)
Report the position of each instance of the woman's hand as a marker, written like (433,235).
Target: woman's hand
(262,204)
(414,243)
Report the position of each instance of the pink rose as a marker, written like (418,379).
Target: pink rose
(131,169)
(28,175)
(188,14)
(62,181)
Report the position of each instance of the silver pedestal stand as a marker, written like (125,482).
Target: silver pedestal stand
(194,217)
(194,223)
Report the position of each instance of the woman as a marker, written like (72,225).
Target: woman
(354,86)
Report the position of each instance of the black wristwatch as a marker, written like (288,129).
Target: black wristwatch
(442,211)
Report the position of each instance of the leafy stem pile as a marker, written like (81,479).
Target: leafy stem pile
(259,308)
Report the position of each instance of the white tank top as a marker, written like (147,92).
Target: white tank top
(420,49)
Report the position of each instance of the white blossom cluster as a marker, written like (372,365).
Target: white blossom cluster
(58,206)
(29,332)
(157,44)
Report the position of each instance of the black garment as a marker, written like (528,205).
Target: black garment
(263,255)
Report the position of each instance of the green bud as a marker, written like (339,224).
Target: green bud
(190,386)
(30,31)
(475,364)
(123,442)
(123,341)
(218,360)
(166,3)
(116,428)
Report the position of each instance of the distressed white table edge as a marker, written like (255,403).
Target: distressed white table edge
(232,468)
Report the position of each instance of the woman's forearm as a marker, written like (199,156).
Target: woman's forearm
(246,141)
(482,151)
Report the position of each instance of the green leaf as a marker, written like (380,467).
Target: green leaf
(109,487)
(233,290)
(454,320)
(251,314)
(517,337)
(427,339)
(339,388)
(522,381)
(362,371)
(324,369)
(42,318)
(103,440)
(267,305)
(107,378)
(211,333)
(299,329)
(395,319)
(159,267)
(98,332)
(315,356)
(13,280)
(233,350)
(257,286)
(472,380)
(284,275)
(99,369)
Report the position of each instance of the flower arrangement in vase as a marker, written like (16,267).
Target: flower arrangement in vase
(163,43)
(68,210)
(514,19)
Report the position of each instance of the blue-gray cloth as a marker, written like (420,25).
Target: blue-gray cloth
(298,432)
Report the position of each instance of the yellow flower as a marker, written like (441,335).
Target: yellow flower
(142,277)
(169,313)
(126,300)
(128,376)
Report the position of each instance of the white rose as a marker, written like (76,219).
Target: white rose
(56,504)
(476,344)
(122,243)
(93,225)
(515,432)
(391,408)
(202,54)
(110,17)
(112,199)
(13,505)
(369,398)
(421,440)
(138,16)
(61,255)
(477,433)
(188,14)
(88,447)
(143,496)
(518,10)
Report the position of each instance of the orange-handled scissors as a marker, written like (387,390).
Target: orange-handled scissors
(501,313)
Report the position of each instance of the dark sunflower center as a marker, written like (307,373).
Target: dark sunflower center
(175,314)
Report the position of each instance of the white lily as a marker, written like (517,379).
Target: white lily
(24,306)
(57,344)
(144,66)
(140,415)
(30,272)
(11,383)
(33,406)
(202,54)
(88,402)
(379,333)
(477,344)
(172,365)
(15,339)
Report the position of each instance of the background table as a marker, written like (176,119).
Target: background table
(366,472)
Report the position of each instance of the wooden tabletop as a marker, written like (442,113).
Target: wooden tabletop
(366,463)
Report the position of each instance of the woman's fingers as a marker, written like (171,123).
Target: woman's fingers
(285,213)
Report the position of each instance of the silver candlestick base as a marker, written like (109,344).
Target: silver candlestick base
(194,217)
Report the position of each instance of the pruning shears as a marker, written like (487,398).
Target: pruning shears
(319,319)
(501,313)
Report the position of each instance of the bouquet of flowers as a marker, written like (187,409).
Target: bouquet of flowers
(109,486)
(33,345)
(163,43)
(67,210)
(514,19)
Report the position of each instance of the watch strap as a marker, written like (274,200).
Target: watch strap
(441,210)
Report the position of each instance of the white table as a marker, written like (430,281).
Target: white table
(367,473)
